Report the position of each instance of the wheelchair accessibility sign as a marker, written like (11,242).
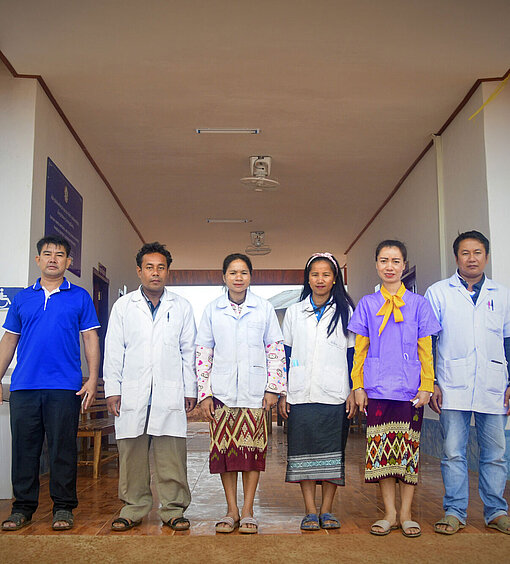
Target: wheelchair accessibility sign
(6,297)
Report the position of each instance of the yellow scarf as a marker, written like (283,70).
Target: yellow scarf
(392,304)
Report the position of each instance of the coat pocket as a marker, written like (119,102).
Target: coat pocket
(172,396)
(456,373)
(128,396)
(258,381)
(497,377)
(296,378)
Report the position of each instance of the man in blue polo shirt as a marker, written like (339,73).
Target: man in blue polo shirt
(44,322)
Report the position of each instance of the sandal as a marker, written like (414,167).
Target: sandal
(65,516)
(19,521)
(226,525)
(386,527)
(450,520)
(248,530)
(178,523)
(501,524)
(310,522)
(334,523)
(411,525)
(126,524)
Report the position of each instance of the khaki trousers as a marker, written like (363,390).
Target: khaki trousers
(170,476)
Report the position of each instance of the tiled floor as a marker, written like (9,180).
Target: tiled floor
(278,505)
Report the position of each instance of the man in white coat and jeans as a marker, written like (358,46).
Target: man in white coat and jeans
(473,350)
(150,384)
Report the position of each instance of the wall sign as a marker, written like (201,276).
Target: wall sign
(6,297)
(64,212)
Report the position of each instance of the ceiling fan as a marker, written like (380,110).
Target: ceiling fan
(259,181)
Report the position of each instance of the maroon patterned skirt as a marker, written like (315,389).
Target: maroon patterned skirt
(393,440)
(238,439)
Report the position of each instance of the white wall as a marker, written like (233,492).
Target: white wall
(17,108)
(465,180)
(107,235)
(410,216)
(497,147)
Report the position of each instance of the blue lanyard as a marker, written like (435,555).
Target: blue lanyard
(319,311)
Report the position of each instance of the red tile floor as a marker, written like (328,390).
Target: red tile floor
(278,506)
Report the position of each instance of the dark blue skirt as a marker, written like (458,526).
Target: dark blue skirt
(317,435)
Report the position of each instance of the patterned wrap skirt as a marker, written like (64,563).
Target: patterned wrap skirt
(238,439)
(393,441)
(316,438)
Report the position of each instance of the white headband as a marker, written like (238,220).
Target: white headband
(329,256)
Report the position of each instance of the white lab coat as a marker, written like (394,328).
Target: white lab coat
(470,366)
(142,355)
(318,371)
(239,372)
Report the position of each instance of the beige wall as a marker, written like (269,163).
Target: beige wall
(410,216)
(497,145)
(107,236)
(17,103)
(465,179)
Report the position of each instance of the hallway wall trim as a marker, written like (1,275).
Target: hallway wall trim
(73,132)
(454,114)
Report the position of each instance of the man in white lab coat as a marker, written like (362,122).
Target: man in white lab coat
(150,384)
(473,350)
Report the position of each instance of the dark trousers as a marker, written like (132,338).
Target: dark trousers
(35,413)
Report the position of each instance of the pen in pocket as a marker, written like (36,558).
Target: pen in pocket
(496,362)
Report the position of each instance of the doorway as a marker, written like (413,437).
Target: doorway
(100,287)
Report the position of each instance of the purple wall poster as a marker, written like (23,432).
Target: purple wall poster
(64,212)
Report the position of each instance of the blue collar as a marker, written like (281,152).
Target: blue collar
(319,311)
(152,307)
(477,288)
(66,285)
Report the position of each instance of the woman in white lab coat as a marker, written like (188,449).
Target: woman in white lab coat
(319,399)
(240,362)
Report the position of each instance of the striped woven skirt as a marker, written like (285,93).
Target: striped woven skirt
(393,441)
(317,434)
(238,439)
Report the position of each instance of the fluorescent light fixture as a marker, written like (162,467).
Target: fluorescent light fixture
(227,130)
(216,220)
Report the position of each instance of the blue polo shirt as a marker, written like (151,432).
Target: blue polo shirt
(48,355)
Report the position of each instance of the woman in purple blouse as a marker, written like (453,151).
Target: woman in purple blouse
(393,377)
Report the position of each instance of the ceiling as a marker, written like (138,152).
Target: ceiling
(346,95)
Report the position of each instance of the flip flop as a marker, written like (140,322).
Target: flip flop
(19,521)
(501,524)
(176,521)
(410,525)
(310,522)
(248,530)
(65,516)
(386,527)
(126,524)
(226,525)
(334,522)
(449,520)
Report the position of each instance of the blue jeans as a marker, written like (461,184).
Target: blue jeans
(490,431)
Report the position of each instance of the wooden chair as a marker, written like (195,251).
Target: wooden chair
(95,423)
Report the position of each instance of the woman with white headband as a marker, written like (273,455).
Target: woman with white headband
(319,400)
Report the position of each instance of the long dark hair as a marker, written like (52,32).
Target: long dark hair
(339,295)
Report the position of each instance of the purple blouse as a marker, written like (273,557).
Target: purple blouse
(392,368)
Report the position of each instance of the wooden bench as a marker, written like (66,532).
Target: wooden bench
(95,423)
